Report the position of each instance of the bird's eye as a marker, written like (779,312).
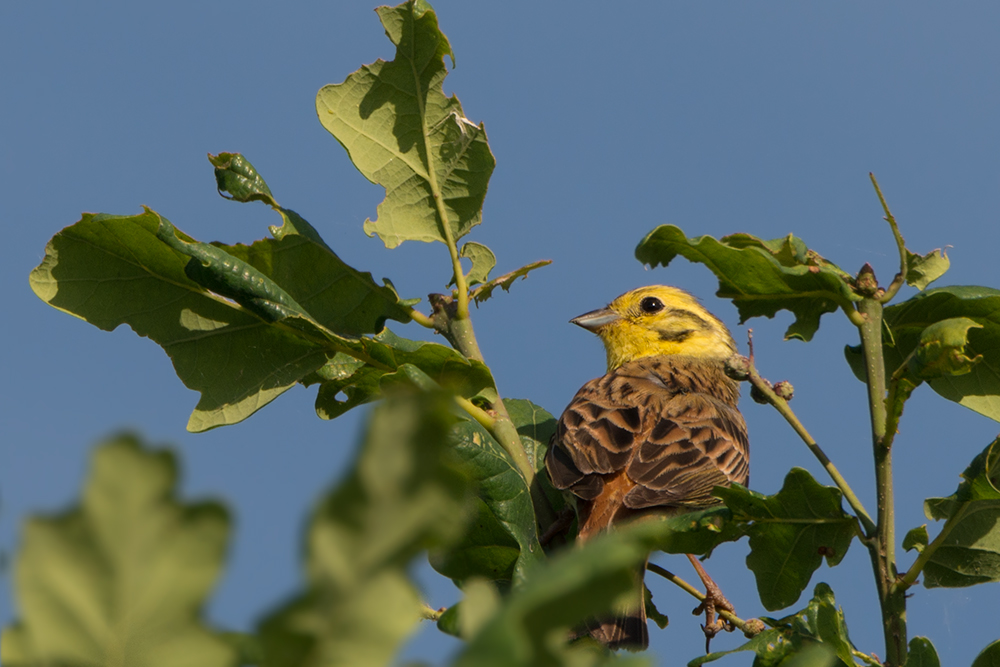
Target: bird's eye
(651,305)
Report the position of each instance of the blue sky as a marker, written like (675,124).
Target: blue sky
(606,120)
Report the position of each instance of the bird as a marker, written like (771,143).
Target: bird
(655,434)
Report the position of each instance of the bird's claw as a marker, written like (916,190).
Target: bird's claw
(714,601)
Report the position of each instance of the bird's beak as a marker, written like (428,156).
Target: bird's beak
(595,319)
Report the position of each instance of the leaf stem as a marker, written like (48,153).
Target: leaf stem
(484,418)
(461,286)
(900,278)
(911,575)
(421,319)
(750,627)
(781,405)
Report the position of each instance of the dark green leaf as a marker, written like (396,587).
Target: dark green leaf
(989,656)
(977,390)
(407,492)
(790,534)
(121,578)
(921,271)
(760,277)
(401,132)
(485,291)
(536,427)
(502,542)
(361,383)
(922,653)
(236,176)
(970,552)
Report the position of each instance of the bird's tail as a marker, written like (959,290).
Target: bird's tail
(626,626)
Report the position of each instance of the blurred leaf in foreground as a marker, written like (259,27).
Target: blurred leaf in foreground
(402,133)
(760,277)
(407,492)
(122,578)
(790,534)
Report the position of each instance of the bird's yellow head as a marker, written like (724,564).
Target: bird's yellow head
(657,320)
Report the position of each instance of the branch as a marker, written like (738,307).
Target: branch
(750,627)
(911,575)
(767,392)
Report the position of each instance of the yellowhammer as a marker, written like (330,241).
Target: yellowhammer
(654,435)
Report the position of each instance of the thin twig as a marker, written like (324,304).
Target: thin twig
(750,627)
(900,278)
(781,405)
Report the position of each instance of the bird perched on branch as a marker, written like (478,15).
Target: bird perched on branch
(655,434)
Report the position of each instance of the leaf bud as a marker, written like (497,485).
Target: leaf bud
(866,284)
(738,367)
(784,389)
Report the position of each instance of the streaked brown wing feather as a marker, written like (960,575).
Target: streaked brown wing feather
(670,424)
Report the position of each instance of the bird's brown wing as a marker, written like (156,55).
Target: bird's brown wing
(662,425)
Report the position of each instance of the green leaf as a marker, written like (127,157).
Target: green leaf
(122,577)
(921,271)
(940,351)
(406,492)
(760,277)
(790,534)
(916,538)
(502,542)
(970,551)
(360,383)
(141,271)
(989,656)
(402,133)
(483,261)
(922,653)
(536,426)
(235,175)
(485,291)
(532,626)
(816,635)
(652,612)
(978,390)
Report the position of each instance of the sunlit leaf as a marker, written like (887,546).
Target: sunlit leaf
(922,270)
(121,578)
(916,538)
(905,322)
(760,277)
(402,133)
(233,332)
(405,493)
(483,260)
(941,350)
(790,534)
(485,291)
